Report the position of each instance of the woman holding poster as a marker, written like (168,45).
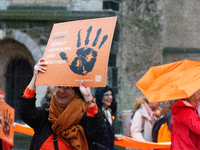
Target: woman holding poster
(67,123)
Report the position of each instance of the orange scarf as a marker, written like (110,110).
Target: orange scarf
(65,122)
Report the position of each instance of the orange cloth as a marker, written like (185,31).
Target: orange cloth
(91,111)
(164,135)
(28,93)
(24,129)
(129,142)
(65,122)
(48,144)
(171,81)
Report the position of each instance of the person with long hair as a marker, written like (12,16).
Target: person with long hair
(106,102)
(144,119)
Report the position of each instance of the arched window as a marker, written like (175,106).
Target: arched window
(18,76)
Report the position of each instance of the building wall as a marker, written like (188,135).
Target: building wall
(182,21)
(38,1)
(177,38)
(181,30)
(140,46)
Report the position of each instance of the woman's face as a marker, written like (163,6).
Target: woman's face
(64,95)
(195,98)
(2,97)
(107,99)
(154,105)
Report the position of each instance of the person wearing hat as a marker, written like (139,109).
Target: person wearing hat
(2,96)
(105,100)
(72,121)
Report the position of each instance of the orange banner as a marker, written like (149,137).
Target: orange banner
(78,50)
(24,129)
(7,115)
(129,142)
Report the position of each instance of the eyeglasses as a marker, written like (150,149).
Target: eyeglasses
(107,95)
(64,87)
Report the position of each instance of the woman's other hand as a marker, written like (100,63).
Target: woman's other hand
(86,92)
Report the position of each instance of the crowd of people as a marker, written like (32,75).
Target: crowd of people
(177,122)
(71,118)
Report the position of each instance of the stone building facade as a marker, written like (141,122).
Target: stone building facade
(154,32)
(148,33)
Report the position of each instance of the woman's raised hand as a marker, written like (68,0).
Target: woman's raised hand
(39,67)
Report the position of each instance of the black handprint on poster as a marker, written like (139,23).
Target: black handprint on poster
(86,56)
(7,123)
(7,114)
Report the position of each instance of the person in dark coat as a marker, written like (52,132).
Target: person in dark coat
(106,102)
(72,121)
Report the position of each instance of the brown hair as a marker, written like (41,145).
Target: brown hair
(138,102)
(77,90)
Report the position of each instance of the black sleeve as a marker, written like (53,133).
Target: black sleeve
(1,148)
(95,129)
(29,113)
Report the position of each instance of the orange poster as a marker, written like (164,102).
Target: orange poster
(7,114)
(78,50)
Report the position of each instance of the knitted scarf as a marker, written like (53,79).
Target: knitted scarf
(65,122)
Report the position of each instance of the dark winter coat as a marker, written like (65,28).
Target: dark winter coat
(110,129)
(37,118)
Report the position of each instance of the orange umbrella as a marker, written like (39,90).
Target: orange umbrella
(171,81)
